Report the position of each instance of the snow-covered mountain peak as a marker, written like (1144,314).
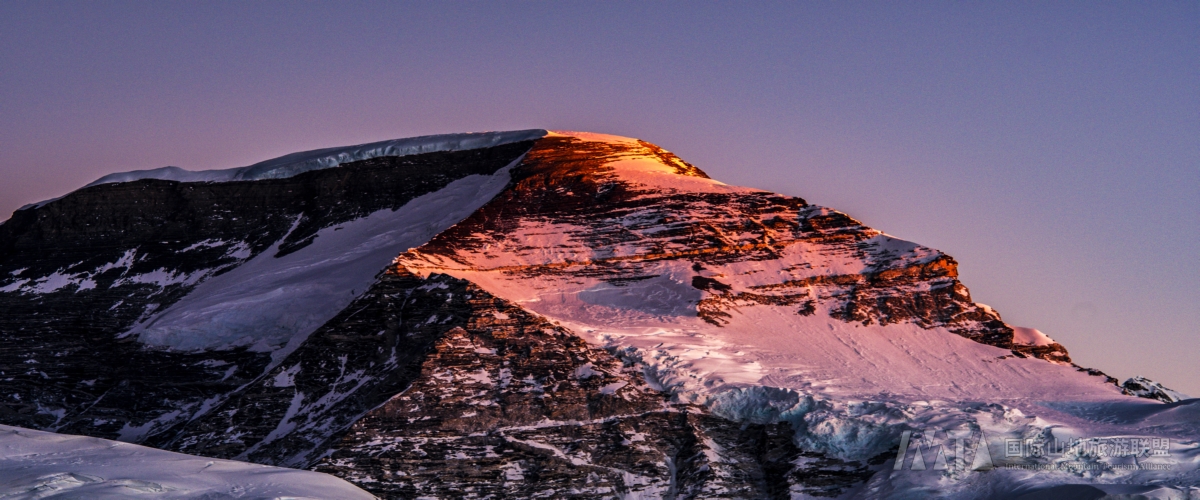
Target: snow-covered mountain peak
(564,313)
(593,136)
(633,162)
(638,249)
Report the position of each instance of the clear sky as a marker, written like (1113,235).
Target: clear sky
(1053,148)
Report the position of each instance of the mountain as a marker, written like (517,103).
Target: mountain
(544,314)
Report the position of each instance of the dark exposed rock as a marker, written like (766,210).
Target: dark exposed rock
(359,359)
(64,365)
(1143,387)
(1053,352)
(509,405)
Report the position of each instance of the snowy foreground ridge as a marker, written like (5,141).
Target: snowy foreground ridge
(530,314)
(35,465)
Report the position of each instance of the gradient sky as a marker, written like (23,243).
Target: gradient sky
(1052,148)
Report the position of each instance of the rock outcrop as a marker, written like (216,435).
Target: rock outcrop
(575,209)
(1143,387)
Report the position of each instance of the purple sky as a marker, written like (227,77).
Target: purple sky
(1052,148)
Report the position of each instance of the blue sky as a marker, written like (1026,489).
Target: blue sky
(1051,148)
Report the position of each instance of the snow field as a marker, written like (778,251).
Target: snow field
(36,465)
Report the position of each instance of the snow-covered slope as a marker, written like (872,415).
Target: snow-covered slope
(36,465)
(273,300)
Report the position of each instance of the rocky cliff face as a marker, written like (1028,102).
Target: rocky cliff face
(507,404)
(619,211)
(604,320)
(76,274)
(1143,387)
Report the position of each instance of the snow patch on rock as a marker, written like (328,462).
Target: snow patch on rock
(35,464)
(271,301)
(318,159)
(1030,336)
(1143,387)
